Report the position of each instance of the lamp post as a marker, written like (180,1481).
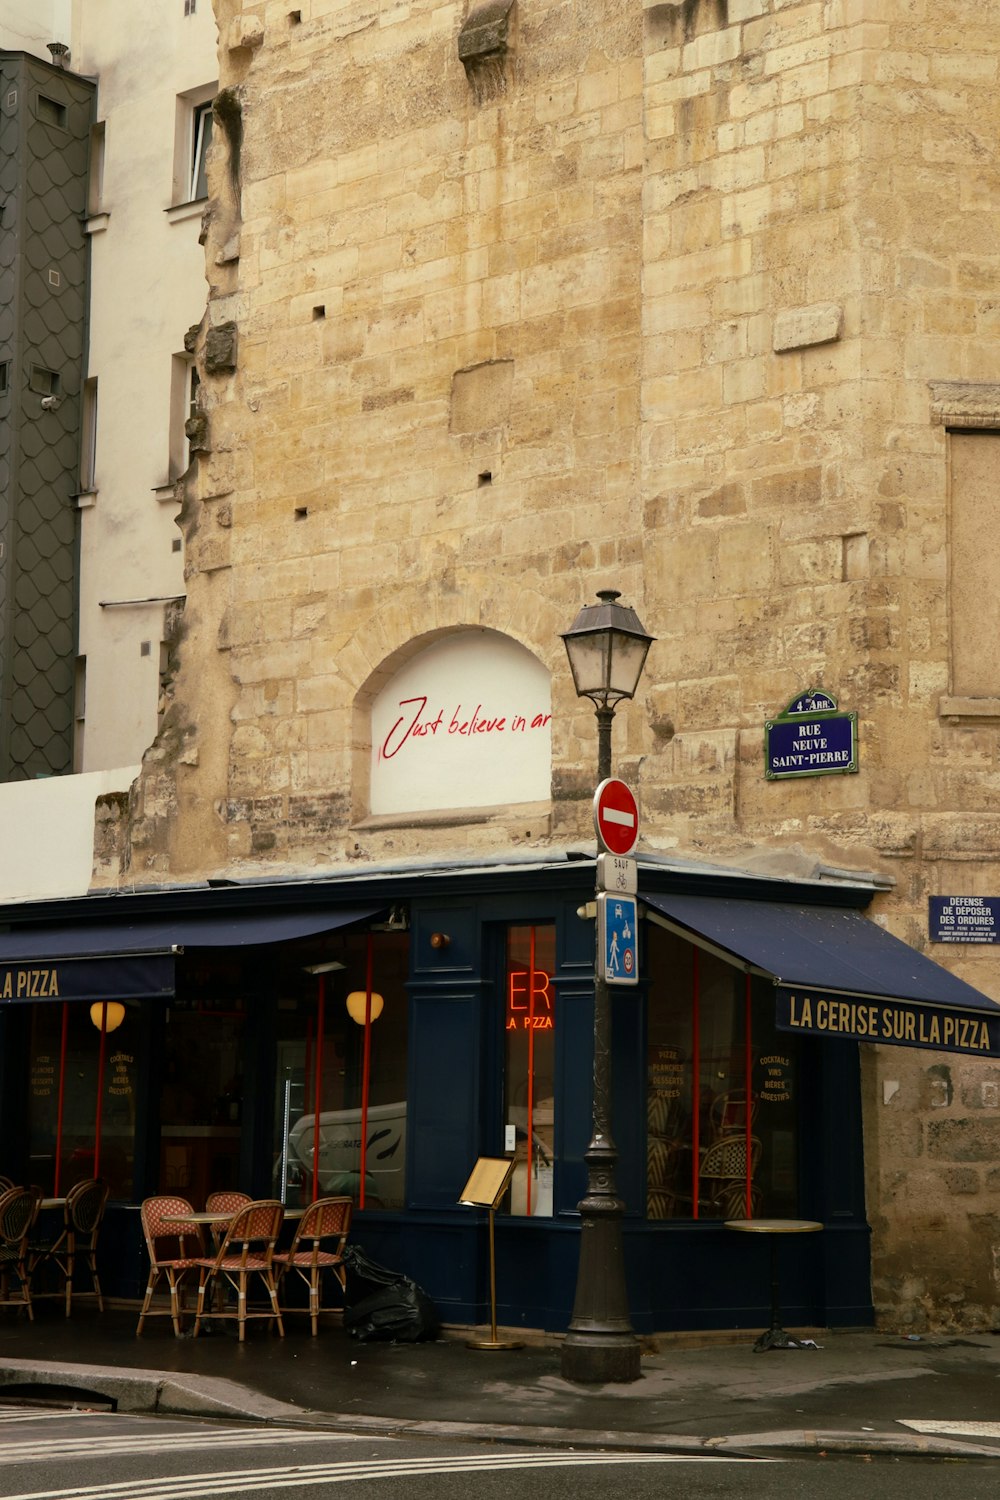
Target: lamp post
(607,647)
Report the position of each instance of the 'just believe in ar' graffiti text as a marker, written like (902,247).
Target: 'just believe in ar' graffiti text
(414,724)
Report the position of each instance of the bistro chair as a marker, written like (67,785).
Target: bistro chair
(328,1221)
(83,1212)
(6,1183)
(246,1251)
(185,1238)
(225,1204)
(18,1211)
(722,1178)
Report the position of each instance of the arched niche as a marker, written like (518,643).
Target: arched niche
(464,722)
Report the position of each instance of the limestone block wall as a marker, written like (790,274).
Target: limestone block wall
(821,239)
(512,303)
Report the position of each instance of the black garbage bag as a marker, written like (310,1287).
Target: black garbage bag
(384,1304)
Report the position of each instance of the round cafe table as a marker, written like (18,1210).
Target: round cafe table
(775,1337)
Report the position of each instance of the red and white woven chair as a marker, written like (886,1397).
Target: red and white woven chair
(326,1222)
(186,1239)
(225,1204)
(247,1251)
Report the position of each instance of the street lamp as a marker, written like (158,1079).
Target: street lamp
(607,647)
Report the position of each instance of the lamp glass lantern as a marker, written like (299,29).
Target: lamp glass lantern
(607,648)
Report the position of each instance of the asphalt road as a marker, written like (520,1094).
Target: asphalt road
(59,1455)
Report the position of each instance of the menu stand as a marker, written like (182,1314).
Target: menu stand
(484,1189)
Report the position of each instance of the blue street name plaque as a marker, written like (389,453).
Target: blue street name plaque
(811,739)
(964,919)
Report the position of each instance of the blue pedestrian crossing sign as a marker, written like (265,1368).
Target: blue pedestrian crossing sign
(618,938)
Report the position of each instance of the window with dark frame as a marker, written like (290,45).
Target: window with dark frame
(722,1090)
(529,1066)
(51,111)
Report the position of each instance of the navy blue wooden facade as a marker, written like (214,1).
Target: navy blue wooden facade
(681,1274)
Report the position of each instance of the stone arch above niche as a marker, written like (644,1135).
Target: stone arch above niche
(464,722)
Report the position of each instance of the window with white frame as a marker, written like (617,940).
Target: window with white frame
(192,139)
(88,437)
(183,404)
(201,140)
(95,179)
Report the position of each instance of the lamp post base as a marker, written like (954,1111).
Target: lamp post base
(600,1358)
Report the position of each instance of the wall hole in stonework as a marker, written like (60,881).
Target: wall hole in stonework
(319,312)
(301,511)
(294,18)
(485,477)
(145,648)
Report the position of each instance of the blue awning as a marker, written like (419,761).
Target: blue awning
(837,973)
(134,960)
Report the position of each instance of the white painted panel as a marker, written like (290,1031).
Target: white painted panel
(466,723)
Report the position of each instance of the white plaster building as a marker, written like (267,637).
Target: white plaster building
(149,139)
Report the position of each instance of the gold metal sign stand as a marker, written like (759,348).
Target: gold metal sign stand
(484,1189)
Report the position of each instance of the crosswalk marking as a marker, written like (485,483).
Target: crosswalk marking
(298,1476)
(953,1429)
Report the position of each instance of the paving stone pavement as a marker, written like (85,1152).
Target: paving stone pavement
(855,1391)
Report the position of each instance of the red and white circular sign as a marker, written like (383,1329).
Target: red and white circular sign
(616,817)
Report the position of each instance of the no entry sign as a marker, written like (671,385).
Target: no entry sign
(616,817)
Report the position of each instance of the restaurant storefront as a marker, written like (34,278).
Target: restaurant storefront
(375,1036)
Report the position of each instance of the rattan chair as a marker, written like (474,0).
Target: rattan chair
(18,1211)
(327,1220)
(247,1251)
(83,1212)
(185,1238)
(722,1178)
(225,1204)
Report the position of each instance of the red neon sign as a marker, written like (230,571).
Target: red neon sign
(529,1000)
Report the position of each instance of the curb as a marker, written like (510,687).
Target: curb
(166,1393)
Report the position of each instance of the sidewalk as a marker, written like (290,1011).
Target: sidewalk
(852,1394)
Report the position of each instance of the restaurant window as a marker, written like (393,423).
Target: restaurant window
(201,1096)
(529,1066)
(81,1106)
(721,1092)
(342,1041)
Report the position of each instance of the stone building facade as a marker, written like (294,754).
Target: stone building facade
(698,301)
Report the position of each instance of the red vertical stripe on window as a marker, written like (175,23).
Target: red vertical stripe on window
(531,1063)
(318,1086)
(748,1080)
(59,1105)
(100,1088)
(366,1068)
(695,1081)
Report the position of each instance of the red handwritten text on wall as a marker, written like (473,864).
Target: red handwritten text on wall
(416,722)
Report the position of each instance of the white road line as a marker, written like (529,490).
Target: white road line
(298,1476)
(109,1444)
(955,1429)
(58,1415)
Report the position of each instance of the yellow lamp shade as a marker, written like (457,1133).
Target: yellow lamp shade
(356,1004)
(115,1014)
